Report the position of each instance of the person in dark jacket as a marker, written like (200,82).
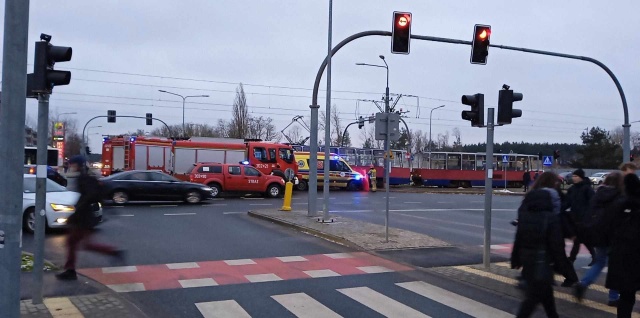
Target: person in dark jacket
(526,180)
(624,256)
(82,221)
(538,246)
(596,226)
(578,199)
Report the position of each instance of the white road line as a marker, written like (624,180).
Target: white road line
(374,269)
(245,198)
(288,259)
(234,212)
(339,255)
(222,309)
(259,278)
(303,203)
(198,282)
(183,265)
(262,204)
(163,205)
(179,214)
(119,269)
(455,301)
(125,288)
(444,202)
(121,215)
(380,303)
(304,306)
(214,205)
(319,273)
(412,202)
(238,262)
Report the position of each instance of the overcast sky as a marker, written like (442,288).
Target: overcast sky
(194,47)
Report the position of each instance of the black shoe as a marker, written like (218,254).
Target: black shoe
(613,303)
(69,274)
(568,283)
(579,290)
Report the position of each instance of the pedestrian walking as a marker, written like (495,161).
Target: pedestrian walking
(623,273)
(596,226)
(538,245)
(577,199)
(526,180)
(82,221)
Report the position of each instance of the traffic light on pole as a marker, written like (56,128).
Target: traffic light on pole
(401,32)
(476,114)
(111,116)
(149,119)
(506,113)
(480,44)
(556,154)
(360,122)
(44,77)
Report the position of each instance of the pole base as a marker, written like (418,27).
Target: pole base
(285,208)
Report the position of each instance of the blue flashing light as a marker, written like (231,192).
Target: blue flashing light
(132,139)
(105,139)
(336,157)
(245,162)
(358,176)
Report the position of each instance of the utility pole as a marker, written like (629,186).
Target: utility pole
(327,127)
(488,186)
(12,116)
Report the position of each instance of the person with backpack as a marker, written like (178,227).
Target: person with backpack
(82,221)
(538,245)
(577,199)
(596,226)
(624,254)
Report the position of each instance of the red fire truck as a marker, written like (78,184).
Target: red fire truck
(177,157)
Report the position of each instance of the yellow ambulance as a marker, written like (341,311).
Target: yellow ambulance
(340,174)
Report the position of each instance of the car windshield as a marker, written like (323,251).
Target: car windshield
(30,186)
(598,175)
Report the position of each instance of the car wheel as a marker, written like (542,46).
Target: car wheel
(274,191)
(302,185)
(120,197)
(216,190)
(29,220)
(193,197)
(352,186)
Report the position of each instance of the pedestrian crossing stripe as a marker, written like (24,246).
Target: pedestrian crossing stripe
(304,306)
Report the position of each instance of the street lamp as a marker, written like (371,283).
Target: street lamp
(184,98)
(430,140)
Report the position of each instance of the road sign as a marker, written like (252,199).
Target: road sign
(547,161)
(505,159)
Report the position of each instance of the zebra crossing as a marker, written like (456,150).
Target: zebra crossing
(303,305)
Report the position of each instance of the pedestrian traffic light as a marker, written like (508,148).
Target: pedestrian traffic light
(401,32)
(111,116)
(44,77)
(556,154)
(540,155)
(360,122)
(480,44)
(87,150)
(149,119)
(476,114)
(506,113)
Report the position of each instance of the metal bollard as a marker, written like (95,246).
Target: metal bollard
(288,193)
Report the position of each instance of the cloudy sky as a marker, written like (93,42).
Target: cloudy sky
(125,51)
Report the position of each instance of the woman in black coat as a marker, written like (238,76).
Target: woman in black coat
(624,273)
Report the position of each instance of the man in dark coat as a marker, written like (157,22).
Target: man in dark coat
(578,199)
(624,257)
(537,246)
(526,179)
(82,221)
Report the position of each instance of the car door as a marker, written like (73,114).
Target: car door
(234,179)
(162,187)
(252,179)
(139,186)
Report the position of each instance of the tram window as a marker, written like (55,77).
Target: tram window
(453,162)
(468,162)
(438,161)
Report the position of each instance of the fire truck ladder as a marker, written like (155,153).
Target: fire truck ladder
(127,152)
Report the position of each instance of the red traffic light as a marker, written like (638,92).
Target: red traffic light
(484,34)
(404,20)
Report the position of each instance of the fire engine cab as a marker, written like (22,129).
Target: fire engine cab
(177,157)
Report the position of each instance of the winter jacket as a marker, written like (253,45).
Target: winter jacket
(578,199)
(600,215)
(536,208)
(90,195)
(624,252)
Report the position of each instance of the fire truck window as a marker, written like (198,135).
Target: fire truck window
(286,154)
(235,170)
(272,155)
(260,153)
(251,172)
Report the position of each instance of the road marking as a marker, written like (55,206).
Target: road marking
(262,204)
(288,259)
(245,198)
(121,215)
(216,205)
(412,202)
(319,273)
(233,212)
(339,255)
(499,247)
(183,265)
(304,306)
(259,278)
(303,203)
(455,301)
(238,262)
(119,269)
(217,199)
(222,309)
(444,202)
(343,203)
(179,214)
(374,269)
(380,303)
(198,282)
(125,288)
(62,307)
(163,205)
(115,206)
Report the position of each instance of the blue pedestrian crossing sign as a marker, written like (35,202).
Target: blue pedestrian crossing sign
(547,161)
(505,159)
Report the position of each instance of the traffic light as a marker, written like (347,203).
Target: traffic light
(506,113)
(87,150)
(44,77)
(149,119)
(540,155)
(360,122)
(480,44)
(111,116)
(476,114)
(401,32)
(556,154)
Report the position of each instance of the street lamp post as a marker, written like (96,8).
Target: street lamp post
(430,140)
(184,98)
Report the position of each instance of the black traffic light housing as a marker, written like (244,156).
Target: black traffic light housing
(44,77)
(476,114)
(360,122)
(506,113)
(87,150)
(401,32)
(556,154)
(480,44)
(540,155)
(111,116)
(149,118)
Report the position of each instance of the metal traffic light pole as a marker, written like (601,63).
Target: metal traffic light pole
(488,186)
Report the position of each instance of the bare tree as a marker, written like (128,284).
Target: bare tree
(617,135)
(295,135)
(457,142)
(443,141)
(240,121)
(419,141)
(261,128)
(337,128)
(369,137)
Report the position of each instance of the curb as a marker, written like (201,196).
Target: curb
(424,190)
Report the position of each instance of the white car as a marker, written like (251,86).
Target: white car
(598,178)
(59,204)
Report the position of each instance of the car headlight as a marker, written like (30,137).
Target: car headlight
(206,189)
(62,207)
(358,176)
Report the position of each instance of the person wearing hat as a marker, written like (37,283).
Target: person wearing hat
(578,199)
(82,221)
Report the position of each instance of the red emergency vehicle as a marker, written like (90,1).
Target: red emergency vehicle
(177,157)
